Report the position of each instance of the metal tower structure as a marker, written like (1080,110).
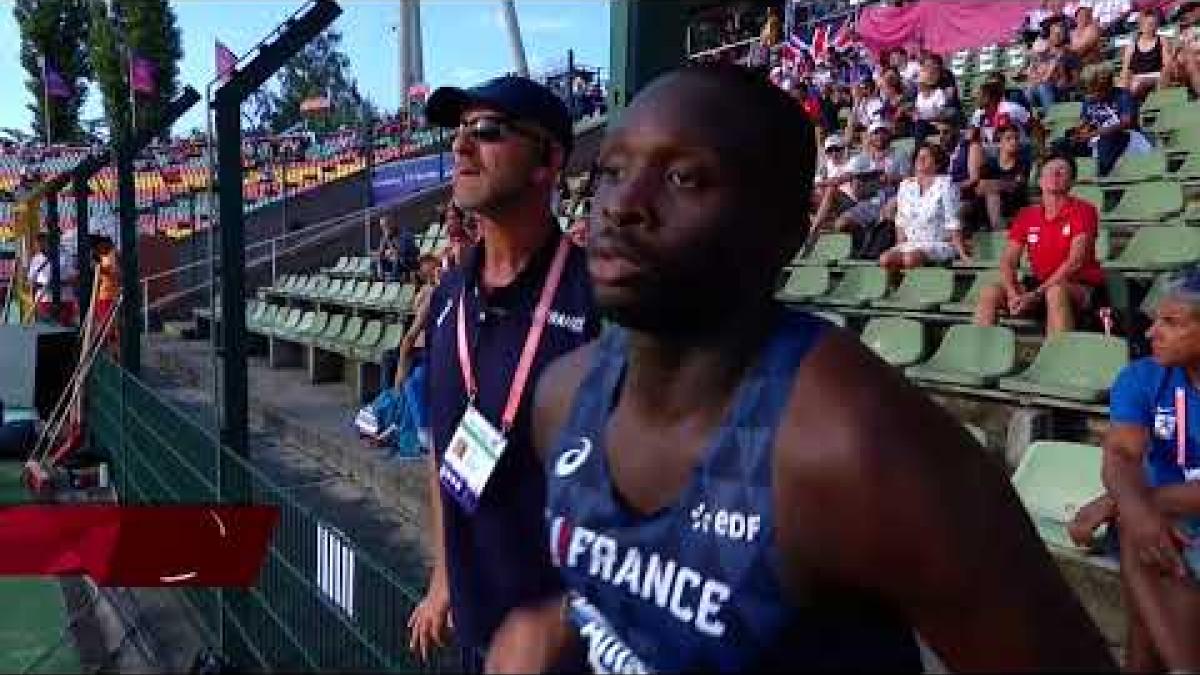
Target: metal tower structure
(410,51)
(513,28)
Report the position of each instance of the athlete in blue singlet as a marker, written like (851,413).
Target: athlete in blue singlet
(735,486)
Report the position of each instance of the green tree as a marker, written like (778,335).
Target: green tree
(148,27)
(56,30)
(321,69)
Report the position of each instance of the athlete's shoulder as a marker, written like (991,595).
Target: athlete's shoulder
(555,393)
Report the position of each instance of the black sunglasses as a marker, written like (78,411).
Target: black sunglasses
(494,129)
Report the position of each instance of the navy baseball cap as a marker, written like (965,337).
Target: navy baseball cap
(520,98)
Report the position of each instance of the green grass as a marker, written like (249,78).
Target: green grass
(32,612)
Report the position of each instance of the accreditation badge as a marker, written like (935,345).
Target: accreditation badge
(470,458)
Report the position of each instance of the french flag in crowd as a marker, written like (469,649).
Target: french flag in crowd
(836,33)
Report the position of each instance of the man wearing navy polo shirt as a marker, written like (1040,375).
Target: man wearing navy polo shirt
(1151,467)
(520,299)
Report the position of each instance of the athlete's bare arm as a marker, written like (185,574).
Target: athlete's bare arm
(880,492)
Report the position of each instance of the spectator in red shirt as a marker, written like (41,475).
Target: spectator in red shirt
(1060,235)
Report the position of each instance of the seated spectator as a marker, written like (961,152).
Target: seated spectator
(956,147)
(927,207)
(866,110)
(397,253)
(909,69)
(1187,57)
(897,110)
(878,171)
(1060,236)
(1011,94)
(1151,465)
(995,112)
(1108,124)
(930,106)
(997,184)
(1054,72)
(460,233)
(1086,38)
(1145,64)
(833,191)
(946,81)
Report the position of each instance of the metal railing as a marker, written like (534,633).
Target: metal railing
(270,252)
(321,602)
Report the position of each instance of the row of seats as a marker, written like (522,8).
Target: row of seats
(1071,366)
(1150,249)
(385,296)
(352,337)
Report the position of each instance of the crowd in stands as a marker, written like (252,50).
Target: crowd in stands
(919,154)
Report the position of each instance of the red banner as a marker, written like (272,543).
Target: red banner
(137,545)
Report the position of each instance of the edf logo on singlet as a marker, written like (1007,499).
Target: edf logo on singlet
(686,594)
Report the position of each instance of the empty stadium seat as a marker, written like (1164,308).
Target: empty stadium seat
(1159,99)
(1153,295)
(1159,248)
(829,249)
(1146,203)
(805,283)
(1075,366)
(967,305)
(1136,168)
(896,340)
(986,250)
(833,318)
(392,335)
(1054,480)
(973,356)
(923,288)
(858,286)
(365,342)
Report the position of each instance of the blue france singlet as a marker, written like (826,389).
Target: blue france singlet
(696,585)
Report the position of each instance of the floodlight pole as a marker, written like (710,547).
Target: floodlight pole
(272,54)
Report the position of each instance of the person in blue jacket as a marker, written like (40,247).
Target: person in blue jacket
(1151,463)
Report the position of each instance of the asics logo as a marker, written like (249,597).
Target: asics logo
(573,458)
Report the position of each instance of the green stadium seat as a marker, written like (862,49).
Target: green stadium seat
(898,341)
(374,293)
(1064,111)
(1153,294)
(1086,170)
(350,332)
(1137,168)
(391,293)
(364,347)
(289,323)
(337,322)
(986,250)
(923,288)
(1147,203)
(363,268)
(1159,248)
(333,290)
(1091,193)
(829,249)
(1054,480)
(833,318)
(393,334)
(1161,99)
(254,313)
(358,296)
(804,284)
(971,356)
(968,302)
(404,301)
(1103,244)
(858,286)
(1189,170)
(342,265)
(1075,366)
(313,328)
(305,326)
(265,320)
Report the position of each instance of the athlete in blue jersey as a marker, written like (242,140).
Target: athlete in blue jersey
(732,485)
(1152,472)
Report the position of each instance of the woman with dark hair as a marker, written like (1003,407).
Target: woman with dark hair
(927,206)
(1148,58)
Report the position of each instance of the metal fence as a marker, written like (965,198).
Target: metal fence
(321,603)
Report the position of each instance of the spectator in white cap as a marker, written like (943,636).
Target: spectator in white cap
(878,170)
(833,191)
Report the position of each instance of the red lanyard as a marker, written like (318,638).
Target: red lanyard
(1181,426)
(532,339)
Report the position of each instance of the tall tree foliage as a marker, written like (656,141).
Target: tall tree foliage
(57,30)
(321,69)
(148,27)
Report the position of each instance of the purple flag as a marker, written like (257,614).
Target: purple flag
(226,60)
(141,74)
(56,84)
